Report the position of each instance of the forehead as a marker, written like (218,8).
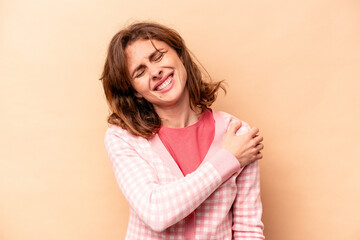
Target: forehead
(141,49)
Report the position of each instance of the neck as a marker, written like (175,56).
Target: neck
(178,115)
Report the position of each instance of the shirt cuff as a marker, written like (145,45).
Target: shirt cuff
(225,163)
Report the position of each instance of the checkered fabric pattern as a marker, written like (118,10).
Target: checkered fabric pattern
(224,198)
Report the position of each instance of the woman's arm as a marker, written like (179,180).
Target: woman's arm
(162,205)
(247,208)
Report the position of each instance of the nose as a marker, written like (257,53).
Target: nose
(157,74)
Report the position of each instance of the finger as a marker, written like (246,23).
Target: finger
(234,127)
(258,139)
(259,156)
(253,131)
(259,147)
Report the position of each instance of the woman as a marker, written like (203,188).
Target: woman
(187,172)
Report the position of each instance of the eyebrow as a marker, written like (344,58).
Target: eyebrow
(151,56)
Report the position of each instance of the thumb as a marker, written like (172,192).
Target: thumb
(234,127)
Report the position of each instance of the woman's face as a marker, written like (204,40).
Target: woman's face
(157,74)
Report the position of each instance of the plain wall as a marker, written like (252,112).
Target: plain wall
(292,68)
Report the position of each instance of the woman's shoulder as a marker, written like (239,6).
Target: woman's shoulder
(117,132)
(228,119)
(224,116)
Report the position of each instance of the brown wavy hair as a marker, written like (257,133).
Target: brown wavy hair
(135,114)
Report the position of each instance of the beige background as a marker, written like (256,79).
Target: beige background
(293,70)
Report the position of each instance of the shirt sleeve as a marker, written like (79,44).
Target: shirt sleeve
(162,205)
(247,208)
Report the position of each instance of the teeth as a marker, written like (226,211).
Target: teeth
(164,84)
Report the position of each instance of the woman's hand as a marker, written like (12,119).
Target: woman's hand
(246,148)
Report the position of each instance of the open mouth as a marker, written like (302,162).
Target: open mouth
(162,85)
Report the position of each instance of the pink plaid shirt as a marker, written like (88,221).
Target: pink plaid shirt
(224,198)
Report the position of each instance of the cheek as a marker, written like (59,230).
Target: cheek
(137,92)
(137,86)
(183,73)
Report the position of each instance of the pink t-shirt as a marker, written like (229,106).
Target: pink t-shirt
(189,145)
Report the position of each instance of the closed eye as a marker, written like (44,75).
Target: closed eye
(158,57)
(139,73)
